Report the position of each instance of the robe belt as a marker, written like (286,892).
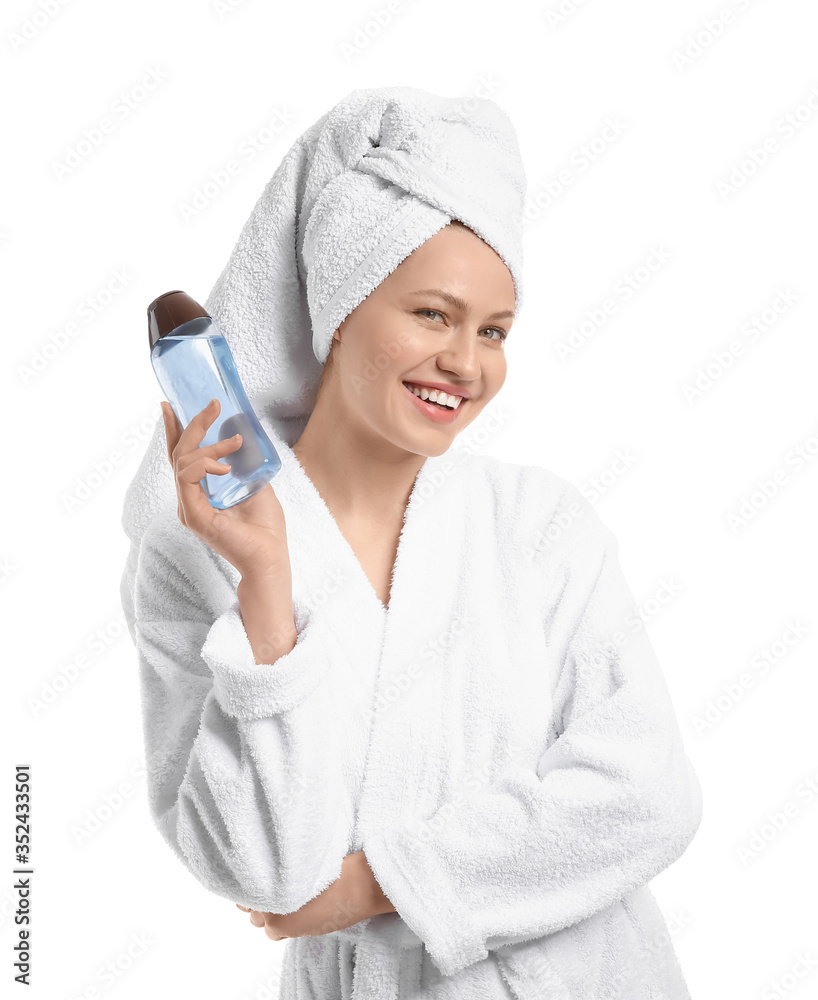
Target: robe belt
(385,971)
(384,945)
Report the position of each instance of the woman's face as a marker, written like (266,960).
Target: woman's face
(406,330)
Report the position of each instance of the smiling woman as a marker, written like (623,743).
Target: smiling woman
(434,295)
(447,345)
(380,715)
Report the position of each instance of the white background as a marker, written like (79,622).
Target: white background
(81,415)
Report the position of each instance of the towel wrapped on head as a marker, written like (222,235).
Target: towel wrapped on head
(364,186)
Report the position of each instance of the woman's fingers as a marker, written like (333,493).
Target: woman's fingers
(190,462)
(256,918)
(183,440)
(191,469)
(259,919)
(172,428)
(191,437)
(252,534)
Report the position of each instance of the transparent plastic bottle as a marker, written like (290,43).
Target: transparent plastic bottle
(193,363)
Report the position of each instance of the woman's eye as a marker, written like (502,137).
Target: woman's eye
(495,329)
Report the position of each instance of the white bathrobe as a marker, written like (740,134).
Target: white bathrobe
(498,740)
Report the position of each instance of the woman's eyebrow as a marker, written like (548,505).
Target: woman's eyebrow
(458,303)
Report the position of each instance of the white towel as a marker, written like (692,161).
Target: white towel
(364,186)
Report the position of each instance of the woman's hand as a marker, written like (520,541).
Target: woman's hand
(252,534)
(351,898)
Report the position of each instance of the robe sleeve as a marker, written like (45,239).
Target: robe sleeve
(613,801)
(243,781)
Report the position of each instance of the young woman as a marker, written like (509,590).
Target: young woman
(392,707)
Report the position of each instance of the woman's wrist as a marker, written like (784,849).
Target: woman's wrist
(266,606)
(379,902)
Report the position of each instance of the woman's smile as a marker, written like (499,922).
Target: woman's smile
(439,413)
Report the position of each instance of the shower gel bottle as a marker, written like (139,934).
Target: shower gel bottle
(193,363)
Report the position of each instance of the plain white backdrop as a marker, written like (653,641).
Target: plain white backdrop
(665,360)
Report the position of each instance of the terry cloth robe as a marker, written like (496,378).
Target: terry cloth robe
(497,740)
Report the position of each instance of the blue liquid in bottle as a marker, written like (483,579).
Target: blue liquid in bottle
(193,364)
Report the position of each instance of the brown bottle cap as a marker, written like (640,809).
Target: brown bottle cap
(170,310)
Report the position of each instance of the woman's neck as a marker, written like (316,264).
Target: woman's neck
(360,481)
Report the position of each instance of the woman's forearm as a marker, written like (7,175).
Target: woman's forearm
(266,605)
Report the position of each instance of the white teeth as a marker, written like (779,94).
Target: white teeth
(436,396)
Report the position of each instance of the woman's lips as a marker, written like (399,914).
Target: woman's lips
(439,414)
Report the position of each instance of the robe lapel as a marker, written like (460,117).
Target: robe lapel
(427,609)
